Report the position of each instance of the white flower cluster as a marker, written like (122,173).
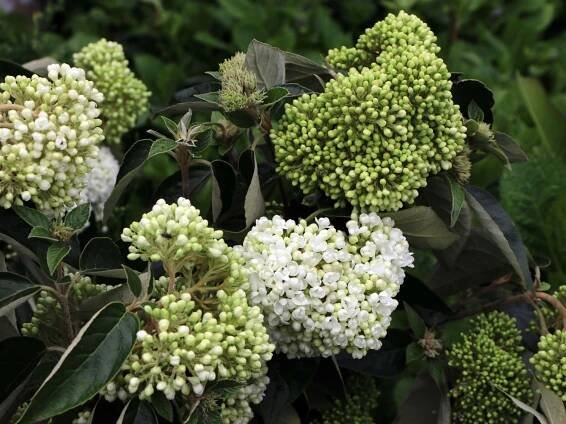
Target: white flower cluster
(49,130)
(236,409)
(322,290)
(100,181)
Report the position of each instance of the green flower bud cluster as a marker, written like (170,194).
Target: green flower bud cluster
(47,320)
(125,96)
(374,135)
(358,406)
(239,85)
(49,131)
(550,362)
(392,34)
(82,418)
(488,362)
(202,328)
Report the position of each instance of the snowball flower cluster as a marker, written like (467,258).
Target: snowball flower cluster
(49,132)
(375,134)
(125,96)
(100,181)
(239,85)
(486,360)
(323,290)
(201,329)
(550,362)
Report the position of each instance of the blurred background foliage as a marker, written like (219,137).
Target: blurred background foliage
(516,47)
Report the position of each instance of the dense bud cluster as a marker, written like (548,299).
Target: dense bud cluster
(125,96)
(488,363)
(48,318)
(202,328)
(100,181)
(82,418)
(550,362)
(322,290)
(375,134)
(392,34)
(49,132)
(357,407)
(239,84)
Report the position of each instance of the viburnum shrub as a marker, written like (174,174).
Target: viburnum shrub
(293,241)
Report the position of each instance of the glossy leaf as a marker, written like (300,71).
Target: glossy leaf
(41,233)
(423,228)
(18,357)
(161,145)
(137,412)
(100,253)
(14,290)
(274,95)
(502,231)
(133,281)
(162,406)
(92,359)
(132,162)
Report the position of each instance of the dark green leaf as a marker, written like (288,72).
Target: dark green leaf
(415,321)
(92,359)
(14,290)
(423,404)
(550,123)
(423,228)
(133,160)
(100,253)
(55,254)
(41,233)
(137,412)
(510,148)
(267,63)
(275,94)
(502,231)
(162,406)
(33,217)
(241,118)
(304,71)
(7,67)
(78,217)
(467,90)
(133,280)
(161,145)
(90,306)
(458,199)
(18,357)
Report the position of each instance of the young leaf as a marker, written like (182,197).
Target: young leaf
(275,94)
(161,145)
(92,359)
(33,217)
(475,112)
(254,204)
(423,228)
(415,321)
(267,63)
(551,405)
(14,290)
(502,231)
(133,280)
(458,199)
(100,253)
(510,148)
(55,254)
(41,233)
(78,217)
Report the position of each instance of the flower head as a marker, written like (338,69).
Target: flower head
(323,290)
(239,84)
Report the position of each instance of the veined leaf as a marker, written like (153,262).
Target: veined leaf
(267,63)
(41,233)
(92,359)
(78,217)
(133,281)
(55,254)
(32,217)
(161,145)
